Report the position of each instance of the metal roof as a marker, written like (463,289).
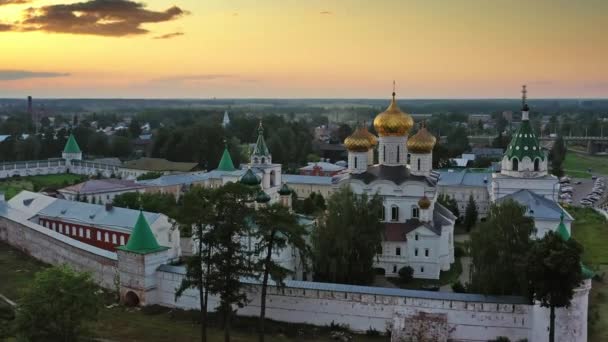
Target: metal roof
(380,291)
(95,215)
(302,179)
(538,206)
(102,185)
(464,178)
(324,166)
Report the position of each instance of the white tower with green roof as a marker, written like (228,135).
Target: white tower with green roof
(71,151)
(524,164)
(524,156)
(261,160)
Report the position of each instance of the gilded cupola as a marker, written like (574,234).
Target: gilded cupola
(360,140)
(424,202)
(393,122)
(421,142)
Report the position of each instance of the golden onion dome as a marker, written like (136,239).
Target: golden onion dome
(359,141)
(373,140)
(424,202)
(393,122)
(421,142)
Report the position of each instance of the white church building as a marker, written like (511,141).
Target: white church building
(418,230)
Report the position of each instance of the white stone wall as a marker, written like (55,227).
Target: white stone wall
(467,320)
(426,163)
(525,167)
(392,150)
(461,195)
(357,162)
(53,248)
(502,185)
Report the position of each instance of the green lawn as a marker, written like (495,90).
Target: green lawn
(576,165)
(153,324)
(14,185)
(591,230)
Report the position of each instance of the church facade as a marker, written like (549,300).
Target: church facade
(418,230)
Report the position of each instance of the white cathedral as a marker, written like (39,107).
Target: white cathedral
(418,230)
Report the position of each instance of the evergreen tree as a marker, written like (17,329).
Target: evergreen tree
(58,305)
(554,271)
(499,248)
(470,214)
(231,257)
(277,228)
(348,238)
(557,156)
(197,212)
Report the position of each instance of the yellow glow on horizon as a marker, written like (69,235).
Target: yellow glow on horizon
(464,48)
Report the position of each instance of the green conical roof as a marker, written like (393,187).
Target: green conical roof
(71,146)
(142,239)
(284,190)
(226,162)
(260,148)
(262,197)
(562,231)
(524,144)
(249,178)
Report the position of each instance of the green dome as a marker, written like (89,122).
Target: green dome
(249,178)
(226,162)
(262,197)
(284,190)
(524,144)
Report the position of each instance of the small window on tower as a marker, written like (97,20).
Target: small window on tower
(398,251)
(418,164)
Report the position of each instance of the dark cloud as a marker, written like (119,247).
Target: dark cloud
(326,12)
(13,2)
(5,27)
(12,75)
(169,35)
(95,17)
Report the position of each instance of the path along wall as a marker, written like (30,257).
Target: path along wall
(53,248)
(469,317)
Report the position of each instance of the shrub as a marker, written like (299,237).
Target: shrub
(458,287)
(406,274)
(372,332)
(459,252)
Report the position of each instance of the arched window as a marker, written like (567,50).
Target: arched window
(255,160)
(515,164)
(536,164)
(272,178)
(263,160)
(383,214)
(394,213)
(384,153)
(398,153)
(355,163)
(418,164)
(409,157)
(415,212)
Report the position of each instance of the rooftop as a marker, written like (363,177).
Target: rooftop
(396,174)
(324,166)
(102,185)
(464,177)
(312,180)
(159,164)
(538,206)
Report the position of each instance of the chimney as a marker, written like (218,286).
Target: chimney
(109,206)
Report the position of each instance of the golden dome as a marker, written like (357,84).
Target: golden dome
(424,202)
(373,140)
(393,122)
(359,141)
(421,142)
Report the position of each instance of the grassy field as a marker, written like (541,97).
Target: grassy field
(591,230)
(577,165)
(152,324)
(14,185)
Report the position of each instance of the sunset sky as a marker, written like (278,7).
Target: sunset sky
(303,49)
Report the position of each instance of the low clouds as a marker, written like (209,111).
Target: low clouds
(5,27)
(13,2)
(326,12)
(169,35)
(13,75)
(193,78)
(114,18)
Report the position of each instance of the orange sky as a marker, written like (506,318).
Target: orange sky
(313,48)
